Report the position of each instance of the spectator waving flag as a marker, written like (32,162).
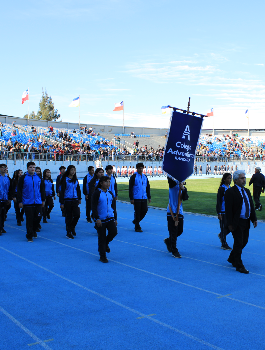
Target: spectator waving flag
(118,106)
(210,114)
(25,96)
(75,102)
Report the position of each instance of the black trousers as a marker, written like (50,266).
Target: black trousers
(240,235)
(88,208)
(223,228)
(174,231)
(103,239)
(140,210)
(33,216)
(72,214)
(2,214)
(256,196)
(19,212)
(48,206)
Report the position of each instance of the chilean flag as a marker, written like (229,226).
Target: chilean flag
(25,96)
(118,106)
(210,114)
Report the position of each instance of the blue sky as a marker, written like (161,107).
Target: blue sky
(145,53)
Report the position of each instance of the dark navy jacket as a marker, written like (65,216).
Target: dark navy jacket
(86,182)
(5,188)
(58,180)
(139,187)
(69,190)
(49,188)
(103,205)
(30,189)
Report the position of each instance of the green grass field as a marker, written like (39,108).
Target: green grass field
(202,195)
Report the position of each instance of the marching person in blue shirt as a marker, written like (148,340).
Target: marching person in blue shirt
(220,209)
(58,182)
(49,191)
(5,195)
(139,193)
(105,215)
(31,197)
(175,218)
(113,184)
(86,182)
(70,198)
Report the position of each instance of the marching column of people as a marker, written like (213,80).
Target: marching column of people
(34,195)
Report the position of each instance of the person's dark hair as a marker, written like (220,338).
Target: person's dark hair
(109,167)
(102,179)
(172,183)
(44,175)
(97,171)
(38,168)
(15,176)
(90,167)
(62,167)
(29,164)
(66,174)
(1,165)
(225,176)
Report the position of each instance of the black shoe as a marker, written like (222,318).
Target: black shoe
(166,241)
(73,232)
(226,247)
(103,259)
(231,261)
(138,230)
(35,235)
(39,227)
(30,240)
(69,235)
(19,223)
(176,254)
(242,270)
(48,216)
(22,219)
(107,249)
(89,220)
(3,230)
(37,230)
(45,221)
(260,208)
(63,215)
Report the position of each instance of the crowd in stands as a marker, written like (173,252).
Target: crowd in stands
(33,142)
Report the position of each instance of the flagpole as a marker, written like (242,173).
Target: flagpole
(79,111)
(123,119)
(248,122)
(28,103)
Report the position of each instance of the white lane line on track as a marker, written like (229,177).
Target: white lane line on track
(25,329)
(114,302)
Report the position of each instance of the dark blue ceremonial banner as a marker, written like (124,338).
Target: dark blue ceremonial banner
(181,145)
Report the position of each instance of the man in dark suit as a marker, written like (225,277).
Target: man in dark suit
(239,210)
(258,182)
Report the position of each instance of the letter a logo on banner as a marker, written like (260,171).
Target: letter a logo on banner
(181,145)
(186,132)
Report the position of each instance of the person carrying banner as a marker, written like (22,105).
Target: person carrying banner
(105,215)
(86,182)
(19,213)
(139,193)
(175,218)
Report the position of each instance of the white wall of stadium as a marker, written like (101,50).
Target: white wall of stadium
(81,167)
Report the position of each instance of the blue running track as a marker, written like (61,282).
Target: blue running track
(55,294)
